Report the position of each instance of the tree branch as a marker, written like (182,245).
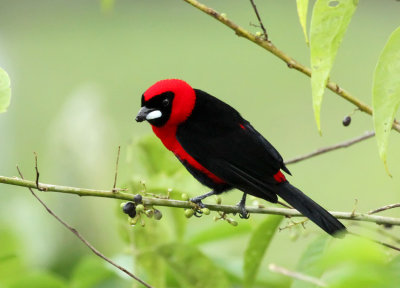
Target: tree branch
(384,208)
(296,275)
(116,172)
(323,150)
(290,62)
(73,230)
(381,220)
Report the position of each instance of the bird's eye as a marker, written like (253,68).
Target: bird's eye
(165,102)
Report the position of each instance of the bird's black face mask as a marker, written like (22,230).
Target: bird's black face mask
(156,110)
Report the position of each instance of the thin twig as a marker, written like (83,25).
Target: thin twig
(383,232)
(376,241)
(381,220)
(323,150)
(296,275)
(116,170)
(355,207)
(290,62)
(259,20)
(77,234)
(387,245)
(37,173)
(384,208)
(293,224)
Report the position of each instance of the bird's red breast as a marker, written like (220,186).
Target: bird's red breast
(184,101)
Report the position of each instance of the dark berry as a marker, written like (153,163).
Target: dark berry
(137,198)
(388,226)
(157,214)
(346,121)
(130,209)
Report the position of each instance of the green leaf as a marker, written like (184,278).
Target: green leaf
(219,231)
(147,240)
(192,268)
(151,157)
(394,269)
(90,272)
(359,276)
(302,9)
(39,280)
(386,92)
(352,249)
(5,91)
(328,24)
(179,222)
(356,262)
(310,260)
(395,265)
(11,255)
(258,244)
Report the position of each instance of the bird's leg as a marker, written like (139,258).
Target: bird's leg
(242,207)
(197,201)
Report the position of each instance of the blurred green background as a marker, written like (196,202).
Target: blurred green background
(78,73)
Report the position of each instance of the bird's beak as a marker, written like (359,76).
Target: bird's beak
(143,112)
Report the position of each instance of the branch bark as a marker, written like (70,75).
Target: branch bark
(384,208)
(381,220)
(296,275)
(290,62)
(323,150)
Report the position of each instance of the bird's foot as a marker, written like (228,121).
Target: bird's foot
(197,201)
(198,207)
(242,208)
(243,212)
(199,204)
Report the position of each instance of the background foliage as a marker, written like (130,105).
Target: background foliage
(77,76)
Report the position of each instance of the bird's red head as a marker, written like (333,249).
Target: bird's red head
(167,102)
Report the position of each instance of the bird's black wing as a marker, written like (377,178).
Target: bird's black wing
(228,146)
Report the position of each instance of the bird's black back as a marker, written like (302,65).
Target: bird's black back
(217,137)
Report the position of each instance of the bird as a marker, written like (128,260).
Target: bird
(222,150)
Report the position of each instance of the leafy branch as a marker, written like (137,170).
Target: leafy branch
(152,201)
(76,232)
(333,20)
(291,62)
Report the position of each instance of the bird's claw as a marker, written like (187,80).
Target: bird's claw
(197,202)
(199,205)
(243,214)
(198,213)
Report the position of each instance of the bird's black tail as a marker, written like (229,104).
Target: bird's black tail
(310,209)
